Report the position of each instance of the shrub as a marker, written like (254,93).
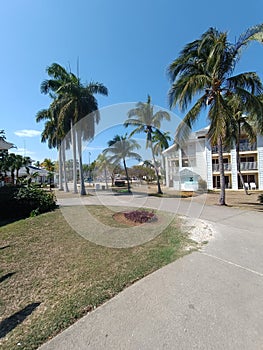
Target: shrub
(140,216)
(36,199)
(18,202)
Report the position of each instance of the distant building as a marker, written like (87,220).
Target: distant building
(186,166)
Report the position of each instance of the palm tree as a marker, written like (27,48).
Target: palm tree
(248,120)
(49,165)
(54,135)
(203,71)
(74,101)
(145,120)
(11,165)
(160,141)
(102,164)
(120,148)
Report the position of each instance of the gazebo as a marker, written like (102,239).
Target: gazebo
(4,145)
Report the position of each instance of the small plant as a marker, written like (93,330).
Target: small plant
(260,198)
(140,216)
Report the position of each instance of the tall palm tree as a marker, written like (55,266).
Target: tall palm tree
(143,118)
(74,101)
(120,148)
(204,72)
(103,164)
(54,134)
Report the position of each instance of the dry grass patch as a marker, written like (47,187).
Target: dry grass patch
(50,276)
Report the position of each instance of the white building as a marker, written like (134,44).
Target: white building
(186,166)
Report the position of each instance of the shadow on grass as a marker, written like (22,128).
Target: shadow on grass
(9,221)
(6,246)
(256,206)
(6,276)
(8,324)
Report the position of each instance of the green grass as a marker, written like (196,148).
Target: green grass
(68,275)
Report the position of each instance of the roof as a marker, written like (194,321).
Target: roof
(193,136)
(5,145)
(188,172)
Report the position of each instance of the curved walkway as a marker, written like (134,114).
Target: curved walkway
(211,299)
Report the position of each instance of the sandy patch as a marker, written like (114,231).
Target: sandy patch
(200,231)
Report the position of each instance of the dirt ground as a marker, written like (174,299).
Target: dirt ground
(233,199)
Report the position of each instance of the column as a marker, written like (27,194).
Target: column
(209,169)
(234,174)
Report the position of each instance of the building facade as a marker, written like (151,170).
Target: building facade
(189,165)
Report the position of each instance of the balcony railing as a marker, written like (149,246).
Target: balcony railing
(225,149)
(227,167)
(244,146)
(248,166)
(243,166)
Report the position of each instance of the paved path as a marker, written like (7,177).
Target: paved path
(212,299)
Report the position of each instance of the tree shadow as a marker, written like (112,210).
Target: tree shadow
(8,324)
(6,276)
(6,246)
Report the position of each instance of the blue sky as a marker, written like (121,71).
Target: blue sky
(126,45)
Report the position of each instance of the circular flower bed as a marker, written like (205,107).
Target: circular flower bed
(140,216)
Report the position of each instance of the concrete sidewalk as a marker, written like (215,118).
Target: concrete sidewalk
(210,299)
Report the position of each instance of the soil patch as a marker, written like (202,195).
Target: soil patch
(120,217)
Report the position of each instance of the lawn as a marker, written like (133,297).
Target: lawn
(50,276)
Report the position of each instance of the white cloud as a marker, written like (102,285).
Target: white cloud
(94,148)
(27,133)
(24,152)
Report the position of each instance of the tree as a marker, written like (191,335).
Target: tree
(49,165)
(120,148)
(143,172)
(74,101)
(248,119)
(203,71)
(54,134)
(145,120)
(102,164)
(160,141)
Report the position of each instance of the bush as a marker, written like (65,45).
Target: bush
(260,198)
(37,200)
(18,202)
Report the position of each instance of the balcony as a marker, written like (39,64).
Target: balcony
(227,167)
(246,146)
(243,166)
(248,166)
(225,149)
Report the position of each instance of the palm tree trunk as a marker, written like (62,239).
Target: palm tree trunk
(222,198)
(64,168)
(156,171)
(17,173)
(60,170)
(73,141)
(126,172)
(238,159)
(82,184)
(105,174)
